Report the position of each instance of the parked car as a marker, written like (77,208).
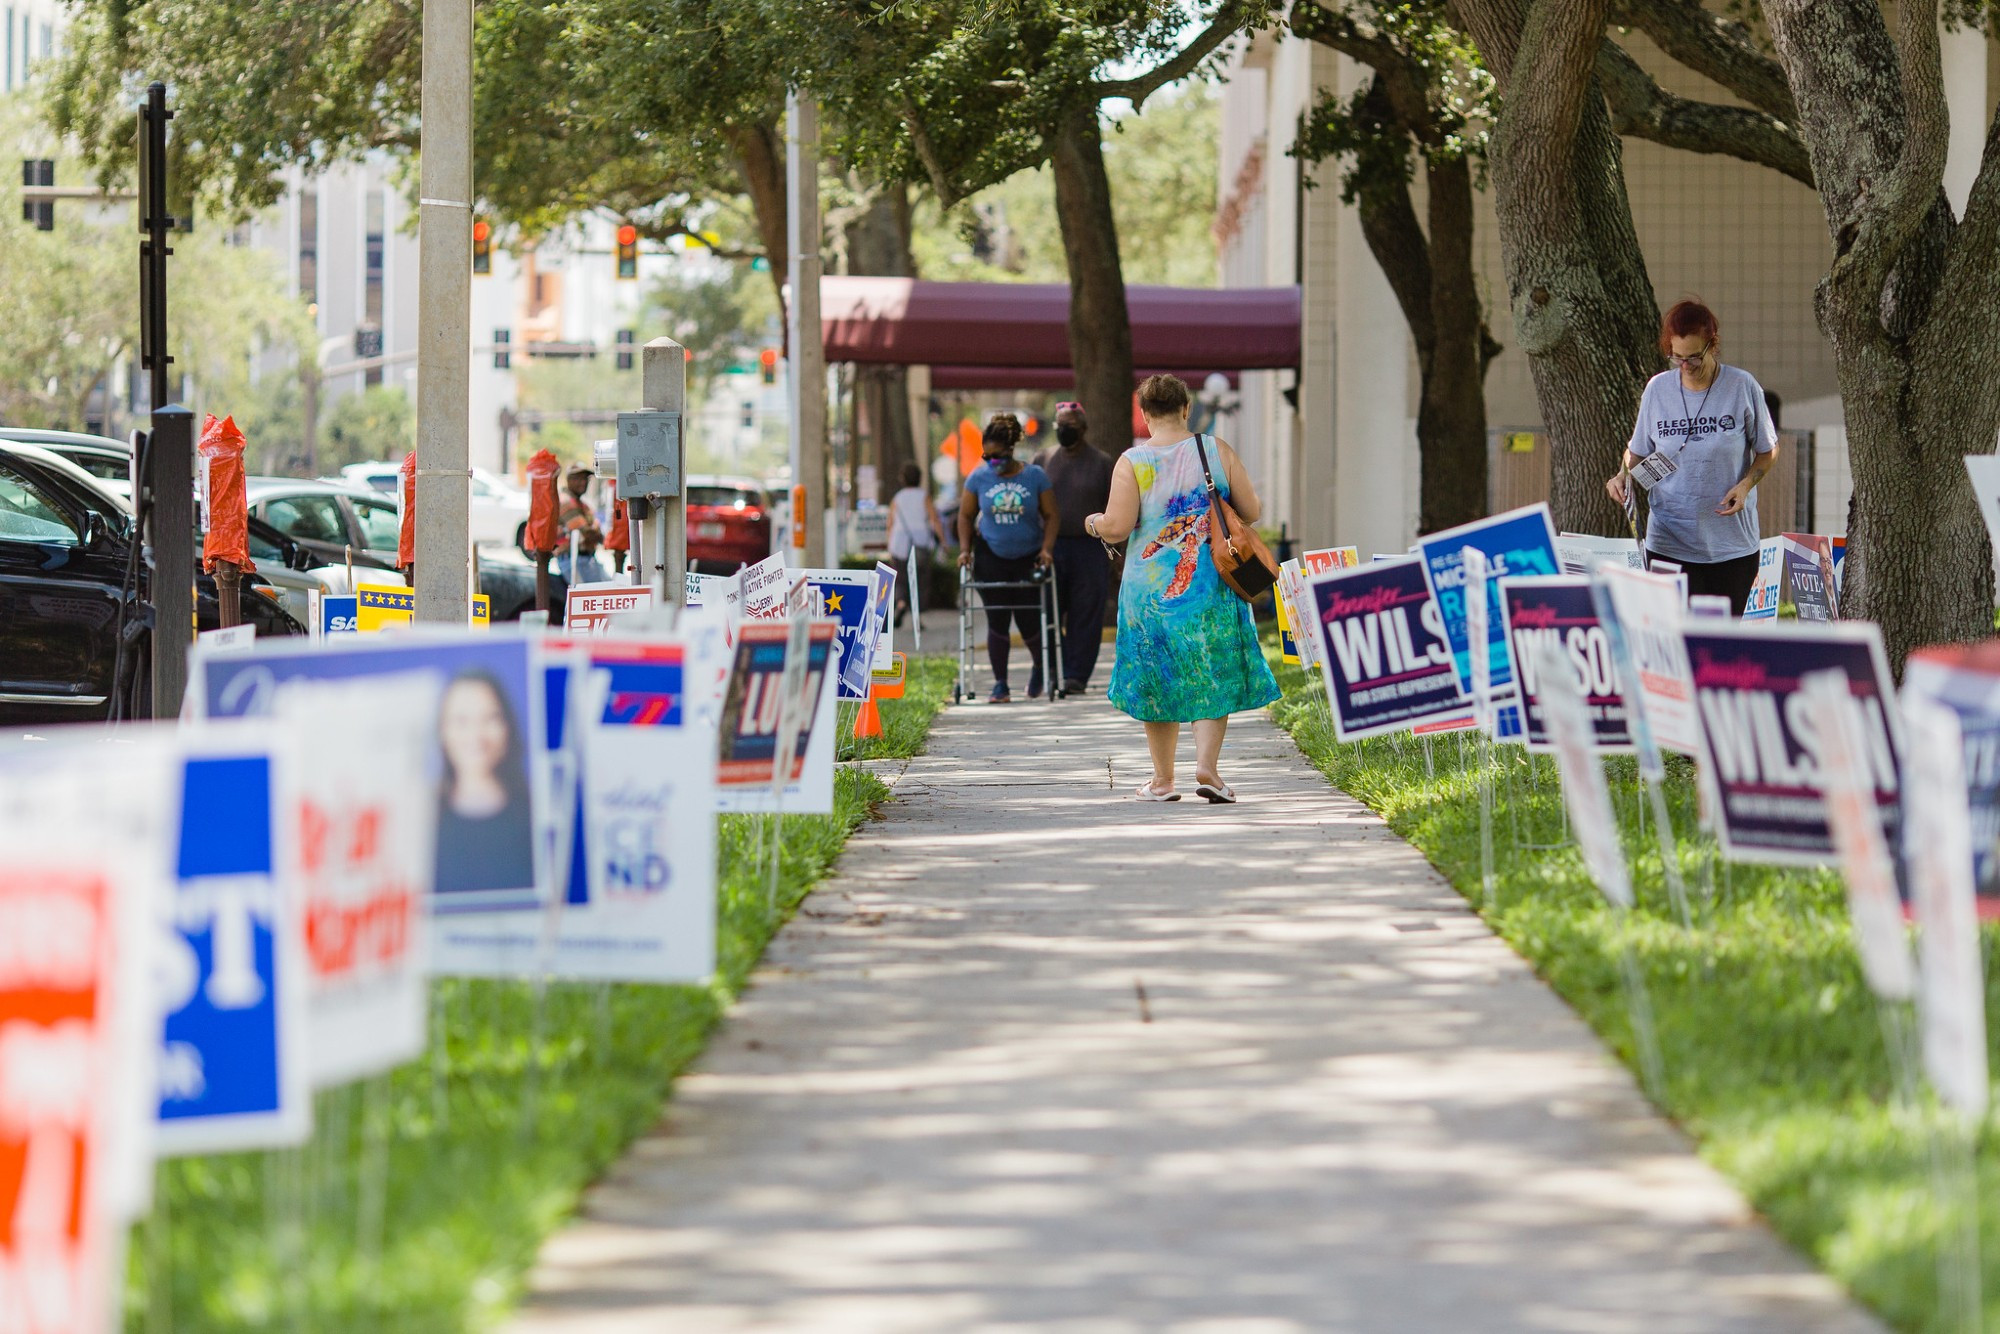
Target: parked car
(728,524)
(499,514)
(65,543)
(108,461)
(335,523)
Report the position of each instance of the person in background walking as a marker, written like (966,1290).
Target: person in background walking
(1703,441)
(915,532)
(1006,528)
(1187,649)
(1080,474)
(576,516)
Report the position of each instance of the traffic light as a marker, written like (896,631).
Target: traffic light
(482,246)
(767,364)
(628,251)
(41,212)
(624,349)
(503,349)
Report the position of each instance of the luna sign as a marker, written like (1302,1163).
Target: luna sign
(1387,663)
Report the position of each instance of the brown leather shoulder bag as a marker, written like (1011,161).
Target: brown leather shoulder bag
(1240,556)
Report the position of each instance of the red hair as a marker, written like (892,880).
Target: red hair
(1684,319)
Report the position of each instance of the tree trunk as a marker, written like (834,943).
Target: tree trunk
(1911,308)
(878,244)
(1582,305)
(1451,409)
(760,160)
(1100,327)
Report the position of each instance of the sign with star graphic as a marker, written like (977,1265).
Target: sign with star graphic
(844,596)
(381,605)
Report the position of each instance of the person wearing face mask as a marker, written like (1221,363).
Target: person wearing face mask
(1080,476)
(1703,441)
(1006,528)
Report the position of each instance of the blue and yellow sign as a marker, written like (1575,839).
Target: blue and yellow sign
(380,605)
(482,612)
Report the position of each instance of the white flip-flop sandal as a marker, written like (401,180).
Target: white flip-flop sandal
(1146,792)
(1221,794)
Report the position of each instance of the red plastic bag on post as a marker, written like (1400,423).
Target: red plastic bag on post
(620,536)
(406,521)
(543,469)
(221,451)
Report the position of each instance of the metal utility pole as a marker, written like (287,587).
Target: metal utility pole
(805,374)
(167,470)
(444,316)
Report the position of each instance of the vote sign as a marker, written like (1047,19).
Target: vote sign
(1559,612)
(1386,663)
(1758,737)
(232,970)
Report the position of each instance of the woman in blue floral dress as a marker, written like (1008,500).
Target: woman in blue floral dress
(1187,648)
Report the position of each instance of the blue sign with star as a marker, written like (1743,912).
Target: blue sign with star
(844,595)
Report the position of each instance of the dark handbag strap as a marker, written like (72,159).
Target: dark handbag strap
(1206,475)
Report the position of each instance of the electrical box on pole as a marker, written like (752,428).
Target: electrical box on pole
(650,448)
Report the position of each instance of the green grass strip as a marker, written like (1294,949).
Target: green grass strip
(424,1195)
(1774,1052)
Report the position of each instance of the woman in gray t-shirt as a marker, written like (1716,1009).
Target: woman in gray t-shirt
(1703,441)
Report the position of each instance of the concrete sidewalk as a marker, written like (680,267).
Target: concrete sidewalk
(1045,1056)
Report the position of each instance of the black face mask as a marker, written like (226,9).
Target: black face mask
(1068,435)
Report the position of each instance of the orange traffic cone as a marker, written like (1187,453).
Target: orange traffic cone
(868,722)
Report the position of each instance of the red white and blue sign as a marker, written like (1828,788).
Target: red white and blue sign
(1559,611)
(845,596)
(1759,742)
(1387,663)
(233,1072)
(748,739)
(1519,542)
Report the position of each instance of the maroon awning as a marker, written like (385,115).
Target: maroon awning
(1050,377)
(912,322)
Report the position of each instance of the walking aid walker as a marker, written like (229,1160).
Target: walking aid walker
(975,598)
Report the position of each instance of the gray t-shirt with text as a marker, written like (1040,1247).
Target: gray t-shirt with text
(1710,436)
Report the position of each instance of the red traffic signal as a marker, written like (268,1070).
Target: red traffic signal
(482,246)
(767,361)
(628,251)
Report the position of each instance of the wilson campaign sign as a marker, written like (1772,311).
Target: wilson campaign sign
(1387,664)
(1759,737)
(1559,612)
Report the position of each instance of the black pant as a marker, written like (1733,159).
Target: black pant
(1020,605)
(1083,585)
(1732,579)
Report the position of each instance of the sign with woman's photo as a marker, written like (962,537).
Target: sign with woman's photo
(1759,742)
(487,745)
(1559,612)
(1519,542)
(1386,663)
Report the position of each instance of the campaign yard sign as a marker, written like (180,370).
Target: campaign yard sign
(339,614)
(233,1071)
(1809,573)
(1759,742)
(1519,542)
(844,599)
(1559,612)
(486,746)
(1648,612)
(649,804)
(357,801)
(1770,584)
(765,585)
(588,608)
(747,744)
(1966,680)
(1387,664)
(381,606)
(1581,553)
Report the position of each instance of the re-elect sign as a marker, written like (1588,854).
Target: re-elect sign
(590,607)
(1559,612)
(1519,542)
(1759,739)
(1387,665)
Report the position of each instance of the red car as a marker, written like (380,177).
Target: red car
(728,524)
